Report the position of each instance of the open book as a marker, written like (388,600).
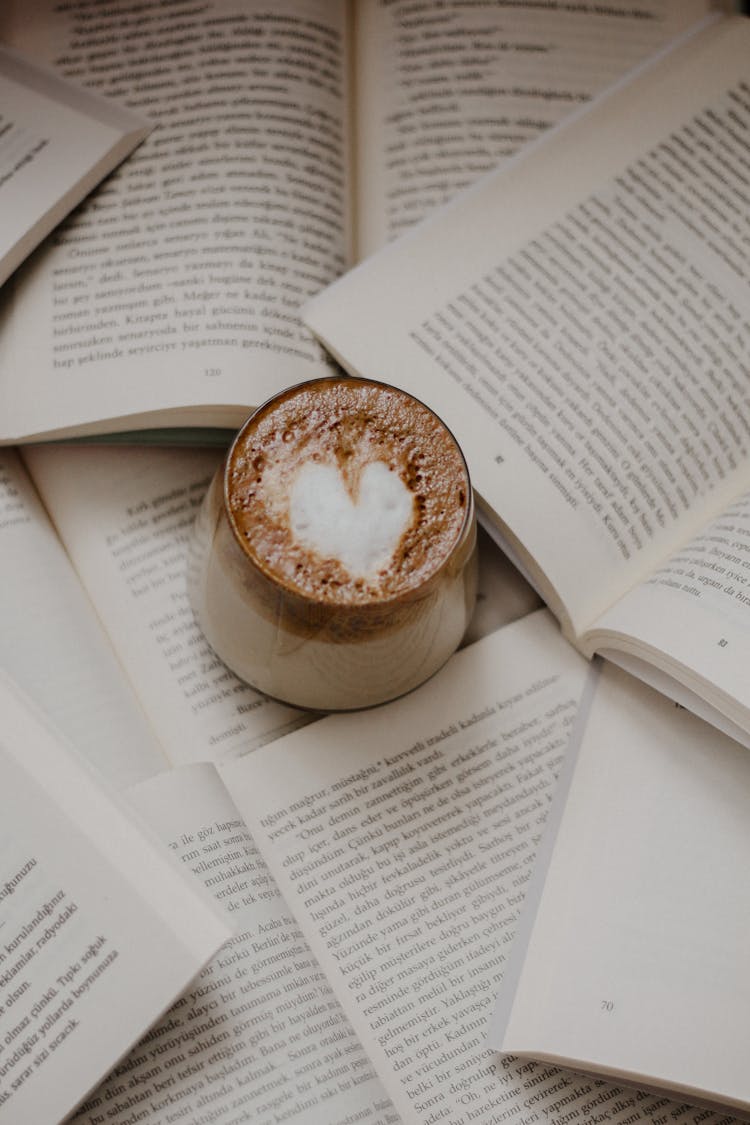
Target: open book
(57,141)
(100,631)
(274,1030)
(647,858)
(405,844)
(580,320)
(110,649)
(100,930)
(291,138)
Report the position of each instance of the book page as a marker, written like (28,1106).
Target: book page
(587,355)
(128,534)
(53,645)
(692,617)
(196,257)
(99,930)
(179,284)
(56,143)
(447,92)
(404,845)
(259,1036)
(124,516)
(649,863)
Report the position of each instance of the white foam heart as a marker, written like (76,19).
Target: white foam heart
(362,535)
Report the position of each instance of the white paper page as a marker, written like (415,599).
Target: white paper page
(555,348)
(447,92)
(649,864)
(181,283)
(209,277)
(99,930)
(693,616)
(124,516)
(53,644)
(259,1036)
(56,143)
(403,840)
(671,687)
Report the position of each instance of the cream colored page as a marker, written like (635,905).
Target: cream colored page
(259,1036)
(99,930)
(53,149)
(179,283)
(403,840)
(693,615)
(53,645)
(650,864)
(125,516)
(588,353)
(447,92)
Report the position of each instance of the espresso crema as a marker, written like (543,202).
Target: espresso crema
(334,563)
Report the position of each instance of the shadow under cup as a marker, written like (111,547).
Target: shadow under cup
(330,648)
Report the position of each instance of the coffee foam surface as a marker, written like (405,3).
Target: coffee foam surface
(347,491)
(361,531)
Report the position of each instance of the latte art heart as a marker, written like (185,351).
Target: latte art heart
(361,533)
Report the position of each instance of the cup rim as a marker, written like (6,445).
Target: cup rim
(272,576)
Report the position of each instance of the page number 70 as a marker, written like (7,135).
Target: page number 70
(607,1005)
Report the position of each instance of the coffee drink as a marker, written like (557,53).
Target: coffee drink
(334,557)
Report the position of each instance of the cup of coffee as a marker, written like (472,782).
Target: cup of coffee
(333,560)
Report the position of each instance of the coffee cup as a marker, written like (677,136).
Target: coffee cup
(333,560)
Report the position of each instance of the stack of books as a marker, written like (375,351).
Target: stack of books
(516,894)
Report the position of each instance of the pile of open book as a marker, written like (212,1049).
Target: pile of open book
(517,894)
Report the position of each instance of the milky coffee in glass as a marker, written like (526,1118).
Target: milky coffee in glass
(333,561)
